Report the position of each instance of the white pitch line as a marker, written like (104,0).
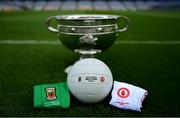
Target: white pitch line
(149,42)
(29,42)
(46,42)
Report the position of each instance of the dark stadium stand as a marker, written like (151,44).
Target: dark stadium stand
(116,5)
(52,5)
(130,5)
(85,5)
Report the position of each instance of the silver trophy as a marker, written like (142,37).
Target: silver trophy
(87,34)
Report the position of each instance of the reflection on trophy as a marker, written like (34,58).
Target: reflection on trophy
(89,79)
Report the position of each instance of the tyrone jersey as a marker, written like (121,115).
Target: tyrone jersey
(127,96)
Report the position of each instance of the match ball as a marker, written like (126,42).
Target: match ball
(90,80)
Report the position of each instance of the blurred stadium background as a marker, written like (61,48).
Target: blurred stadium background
(124,5)
(147,55)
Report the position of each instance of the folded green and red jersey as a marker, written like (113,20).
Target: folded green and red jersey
(51,96)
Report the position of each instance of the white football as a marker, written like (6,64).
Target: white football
(90,80)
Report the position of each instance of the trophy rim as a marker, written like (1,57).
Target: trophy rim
(87,17)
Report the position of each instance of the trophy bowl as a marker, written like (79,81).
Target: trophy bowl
(87,34)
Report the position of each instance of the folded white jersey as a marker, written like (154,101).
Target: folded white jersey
(127,96)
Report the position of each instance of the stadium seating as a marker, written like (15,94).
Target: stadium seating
(131,5)
(69,5)
(141,5)
(100,5)
(28,5)
(39,5)
(52,5)
(85,5)
(117,5)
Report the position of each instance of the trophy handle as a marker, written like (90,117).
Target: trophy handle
(48,22)
(126,26)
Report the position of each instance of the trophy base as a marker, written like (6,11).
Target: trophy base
(87,53)
(84,54)
(67,69)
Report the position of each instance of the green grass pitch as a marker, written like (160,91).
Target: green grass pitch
(154,67)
